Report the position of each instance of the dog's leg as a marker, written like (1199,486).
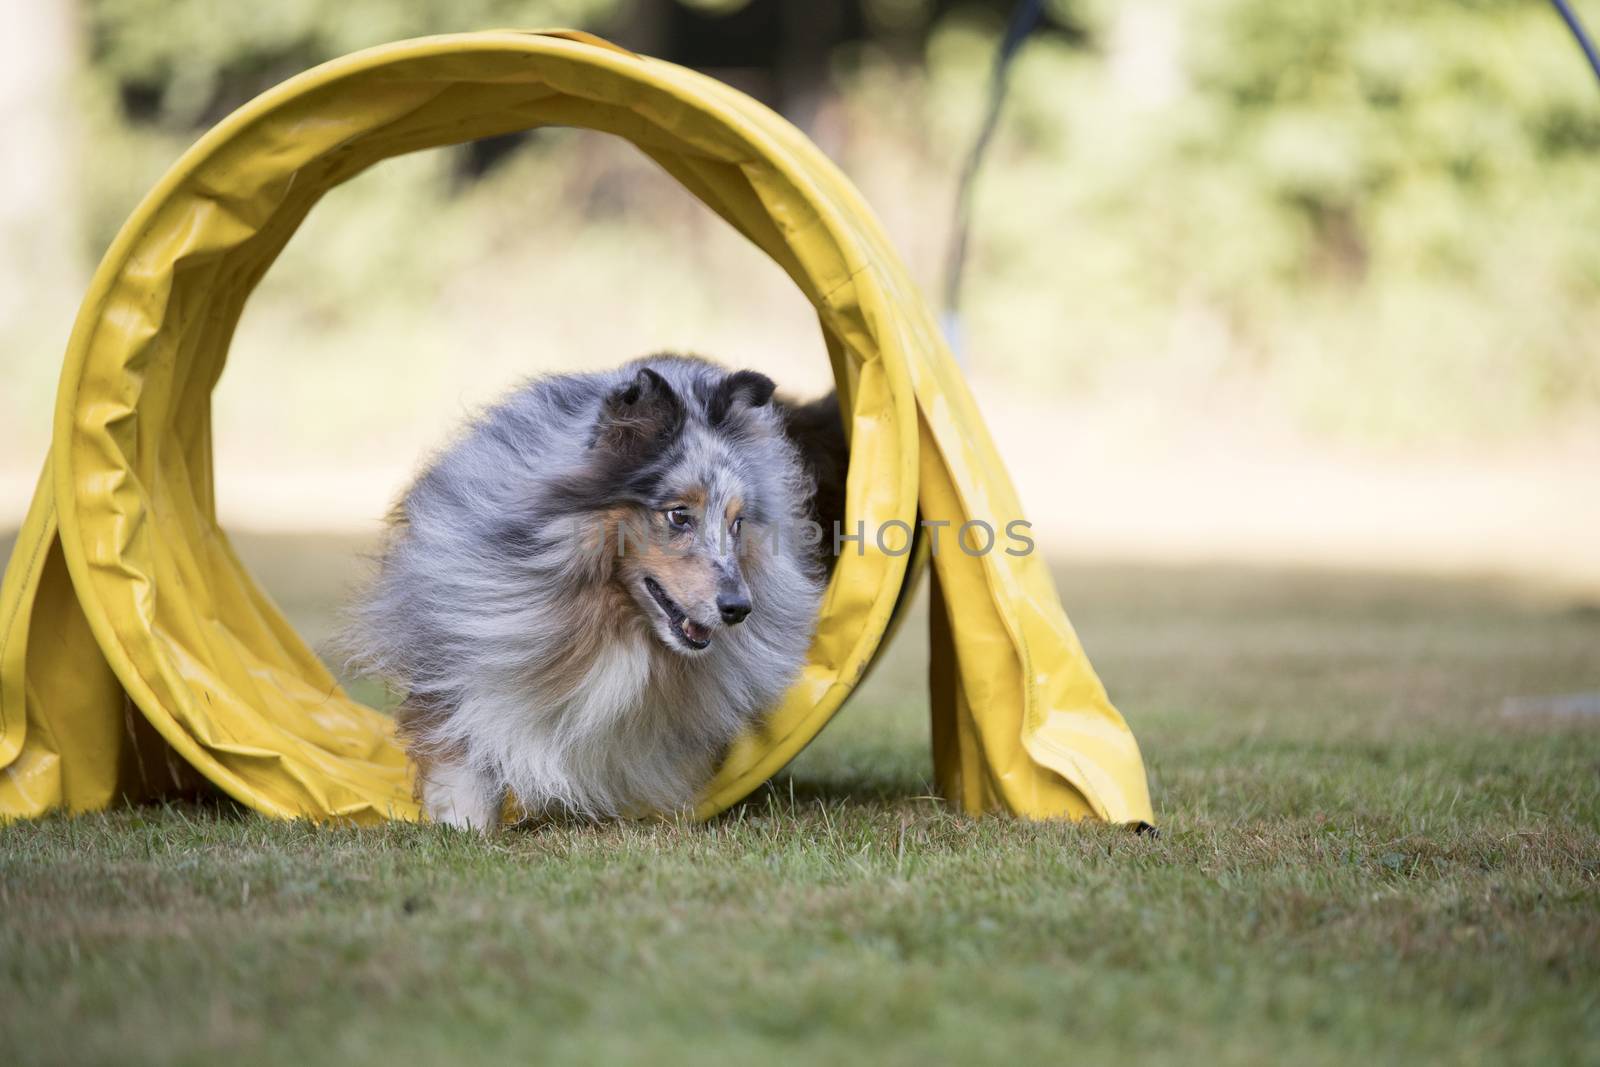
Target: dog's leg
(455,794)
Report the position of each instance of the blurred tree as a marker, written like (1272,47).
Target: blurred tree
(1379,208)
(186,63)
(189,62)
(1381,197)
(1347,108)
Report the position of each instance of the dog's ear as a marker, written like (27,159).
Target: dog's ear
(640,416)
(739,390)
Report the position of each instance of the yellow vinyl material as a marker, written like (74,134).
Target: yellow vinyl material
(139,659)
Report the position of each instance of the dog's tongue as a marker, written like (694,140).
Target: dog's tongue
(695,632)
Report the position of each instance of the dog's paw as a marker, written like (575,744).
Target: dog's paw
(456,795)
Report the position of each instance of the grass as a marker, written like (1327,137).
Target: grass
(1365,855)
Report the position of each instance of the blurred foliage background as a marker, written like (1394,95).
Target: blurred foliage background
(1359,222)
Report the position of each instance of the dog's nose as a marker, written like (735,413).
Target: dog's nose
(733,608)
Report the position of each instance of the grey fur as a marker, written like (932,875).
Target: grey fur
(537,666)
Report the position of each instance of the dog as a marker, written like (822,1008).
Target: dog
(590,594)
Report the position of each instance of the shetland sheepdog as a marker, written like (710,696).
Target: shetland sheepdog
(598,586)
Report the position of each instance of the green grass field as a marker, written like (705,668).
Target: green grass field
(1367,854)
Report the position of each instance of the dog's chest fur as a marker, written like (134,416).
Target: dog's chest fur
(619,727)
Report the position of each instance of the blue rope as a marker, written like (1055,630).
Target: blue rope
(1024,18)
(1570,17)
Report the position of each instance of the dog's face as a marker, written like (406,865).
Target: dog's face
(688,578)
(685,540)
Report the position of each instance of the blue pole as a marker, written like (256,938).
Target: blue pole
(1570,17)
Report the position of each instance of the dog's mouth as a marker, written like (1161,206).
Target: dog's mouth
(693,634)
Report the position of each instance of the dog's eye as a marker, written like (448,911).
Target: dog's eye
(679,517)
(738,524)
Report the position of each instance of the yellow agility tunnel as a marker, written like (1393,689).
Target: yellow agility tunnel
(138,657)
